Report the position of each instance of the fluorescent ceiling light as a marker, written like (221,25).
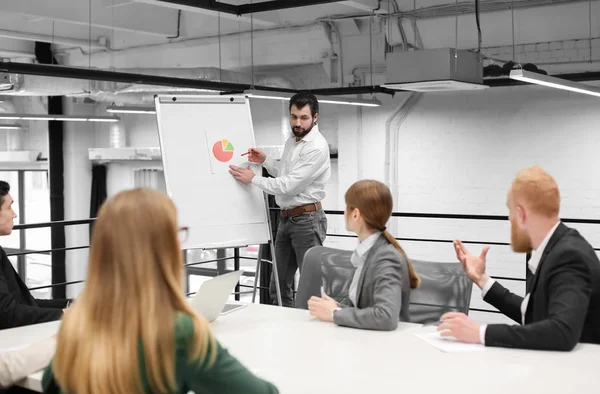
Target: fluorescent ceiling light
(344,101)
(130,110)
(268,95)
(103,119)
(322,99)
(64,118)
(36,118)
(553,82)
(74,119)
(10,126)
(435,86)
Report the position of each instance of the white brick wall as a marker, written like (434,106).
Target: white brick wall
(458,154)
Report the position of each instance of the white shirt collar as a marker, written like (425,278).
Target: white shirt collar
(362,248)
(536,254)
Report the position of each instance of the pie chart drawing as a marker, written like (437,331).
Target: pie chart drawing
(223,151)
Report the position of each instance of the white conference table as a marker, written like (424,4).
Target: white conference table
(302,355)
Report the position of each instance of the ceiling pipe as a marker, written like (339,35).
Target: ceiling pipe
(17,35)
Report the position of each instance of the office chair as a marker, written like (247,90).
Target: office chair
(326,267)
(444,288)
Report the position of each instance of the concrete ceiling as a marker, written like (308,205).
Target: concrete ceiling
(128,23)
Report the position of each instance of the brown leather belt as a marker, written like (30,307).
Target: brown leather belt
(301,209)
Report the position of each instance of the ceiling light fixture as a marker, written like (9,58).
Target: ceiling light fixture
(115,109)
(15,126)
(64,118)
(322,99)
(553,82)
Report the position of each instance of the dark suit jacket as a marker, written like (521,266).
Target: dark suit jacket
(17,306)
(383,292)
(564,301)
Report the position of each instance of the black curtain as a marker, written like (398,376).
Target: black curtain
(98,195)
(43,53)
(266,268)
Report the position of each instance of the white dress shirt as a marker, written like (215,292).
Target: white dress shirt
(302,172)
(17,364)
(358,260)
(533,263)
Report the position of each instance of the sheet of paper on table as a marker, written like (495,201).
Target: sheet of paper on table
(448,344)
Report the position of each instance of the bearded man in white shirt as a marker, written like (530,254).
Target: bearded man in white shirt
(299,187)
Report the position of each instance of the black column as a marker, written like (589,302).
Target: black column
(43,52)
(99,191)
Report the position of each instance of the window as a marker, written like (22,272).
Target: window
(38,267)
(30,192)
(12,241)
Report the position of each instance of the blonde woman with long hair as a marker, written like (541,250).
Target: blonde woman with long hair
(132,331)
(380,289)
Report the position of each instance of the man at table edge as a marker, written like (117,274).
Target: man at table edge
(562,302)
(17,305)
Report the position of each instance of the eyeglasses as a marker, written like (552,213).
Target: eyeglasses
(183,234)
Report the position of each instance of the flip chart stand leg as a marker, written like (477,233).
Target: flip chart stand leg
(259,260)
(257,273)
(275,273)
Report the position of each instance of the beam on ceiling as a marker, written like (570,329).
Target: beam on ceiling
(211,5)
(139,18)
(274,5)
(354,90)
(111,76)
(362,5)
(573,77)
(207,7)
(144,79)
(248,8)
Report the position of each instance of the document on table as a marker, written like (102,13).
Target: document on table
(448,345)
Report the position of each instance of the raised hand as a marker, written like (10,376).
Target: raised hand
(474,266)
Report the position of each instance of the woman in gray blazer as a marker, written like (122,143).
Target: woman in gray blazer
(380,288)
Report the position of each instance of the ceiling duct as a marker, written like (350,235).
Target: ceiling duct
(435,70)
(14,136)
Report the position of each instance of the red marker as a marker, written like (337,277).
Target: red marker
(247,153)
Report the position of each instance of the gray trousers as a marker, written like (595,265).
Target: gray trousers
(295,235)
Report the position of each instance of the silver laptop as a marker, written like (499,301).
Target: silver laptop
(211,297)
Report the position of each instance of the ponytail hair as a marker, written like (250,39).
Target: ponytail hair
(374,201)
(415,281)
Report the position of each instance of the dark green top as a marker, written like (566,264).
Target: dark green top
(225,376)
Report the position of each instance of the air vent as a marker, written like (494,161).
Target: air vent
(436,70)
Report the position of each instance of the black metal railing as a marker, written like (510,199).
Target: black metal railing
(193,269)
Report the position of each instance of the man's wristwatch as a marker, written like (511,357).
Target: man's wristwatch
(333,313)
